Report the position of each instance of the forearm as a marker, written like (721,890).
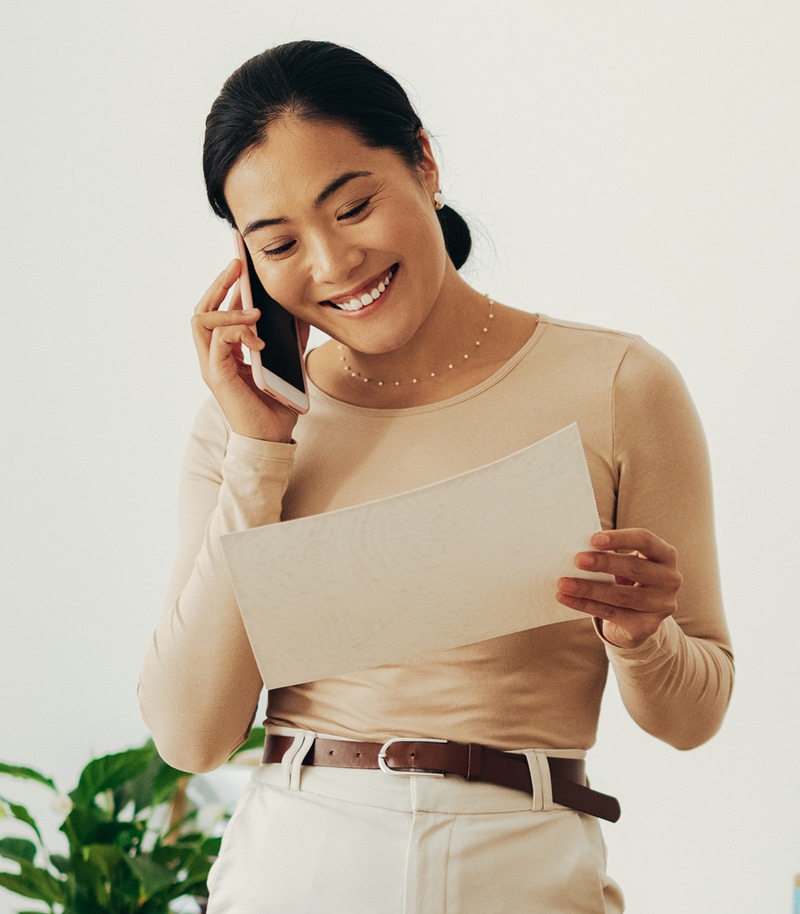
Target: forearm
(199,685)
(675,687)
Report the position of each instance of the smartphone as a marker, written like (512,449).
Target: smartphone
(279,368)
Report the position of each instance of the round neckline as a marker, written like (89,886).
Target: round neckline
(533,339)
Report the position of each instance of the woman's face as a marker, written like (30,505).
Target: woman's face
(343,235)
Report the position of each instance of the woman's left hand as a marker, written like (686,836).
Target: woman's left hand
(644,591)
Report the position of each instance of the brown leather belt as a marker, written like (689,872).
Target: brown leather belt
(469,760)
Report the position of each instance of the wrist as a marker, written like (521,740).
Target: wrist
(263,423)
(614,636)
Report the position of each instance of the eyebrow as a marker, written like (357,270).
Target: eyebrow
(321,197)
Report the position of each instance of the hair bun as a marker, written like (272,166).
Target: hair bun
(457,237)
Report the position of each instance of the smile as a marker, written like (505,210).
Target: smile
(367,297)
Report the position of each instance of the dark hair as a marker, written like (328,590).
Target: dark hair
(315,80)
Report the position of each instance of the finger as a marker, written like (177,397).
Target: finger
(633,539)
(205,323)
(595,608)
(235,303)
(230,329)
(225,337)
(218,290)
(585,595)
(211,320)
(622,627)
(632,566)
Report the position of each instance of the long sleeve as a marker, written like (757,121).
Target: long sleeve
(676,685)
(199,684)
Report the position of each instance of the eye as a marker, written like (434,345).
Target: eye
(356,210)
(277,251)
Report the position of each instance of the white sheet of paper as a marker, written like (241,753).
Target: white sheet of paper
(472,557)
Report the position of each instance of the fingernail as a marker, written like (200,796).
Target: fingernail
(584,560)
(567,585)
(601,540)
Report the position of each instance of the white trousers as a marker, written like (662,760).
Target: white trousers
(312,840)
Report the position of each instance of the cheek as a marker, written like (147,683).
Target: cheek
(427,241)
(414,232)
(281,282)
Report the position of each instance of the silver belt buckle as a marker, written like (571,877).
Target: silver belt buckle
(406,772)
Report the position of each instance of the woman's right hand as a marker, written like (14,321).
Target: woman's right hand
(218,338)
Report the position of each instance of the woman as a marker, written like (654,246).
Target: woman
(316,155)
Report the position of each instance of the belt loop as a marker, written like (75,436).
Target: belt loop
(540,779)
(293,758)
(474,757)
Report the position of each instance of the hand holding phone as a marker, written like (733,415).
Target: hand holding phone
(279,368)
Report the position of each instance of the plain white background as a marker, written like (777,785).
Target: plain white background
(626,163)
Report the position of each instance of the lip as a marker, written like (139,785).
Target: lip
(360,290)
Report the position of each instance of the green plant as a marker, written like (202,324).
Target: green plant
(134,842)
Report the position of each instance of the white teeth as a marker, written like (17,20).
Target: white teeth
(356,304)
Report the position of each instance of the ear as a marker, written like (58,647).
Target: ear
(428,169)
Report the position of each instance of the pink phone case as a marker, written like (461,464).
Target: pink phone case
(264,379)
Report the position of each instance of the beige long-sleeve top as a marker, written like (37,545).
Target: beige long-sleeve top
(647,458)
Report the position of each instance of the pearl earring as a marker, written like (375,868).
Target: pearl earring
(438,200)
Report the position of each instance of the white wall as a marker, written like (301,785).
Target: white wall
(631,164)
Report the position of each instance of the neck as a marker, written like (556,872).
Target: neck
(455,361)
(450,336)
(509,331)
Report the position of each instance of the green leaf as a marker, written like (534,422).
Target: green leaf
(22,815)
(103,857)
(18,771)
(109,773)
(196,886)
(34,882)
(89,887)
(166,783)
(103,879)
(61,863)
(81,826)
(198,869)
(153,877)
(156,784)
(86,903)
(19,849)
(91,826)
(211,846)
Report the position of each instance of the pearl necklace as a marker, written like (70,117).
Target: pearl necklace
(348,369)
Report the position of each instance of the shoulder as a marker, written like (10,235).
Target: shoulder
(637,381)
(586,341)
(631,355)
(585,331)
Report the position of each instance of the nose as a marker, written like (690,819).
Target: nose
(333,257)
